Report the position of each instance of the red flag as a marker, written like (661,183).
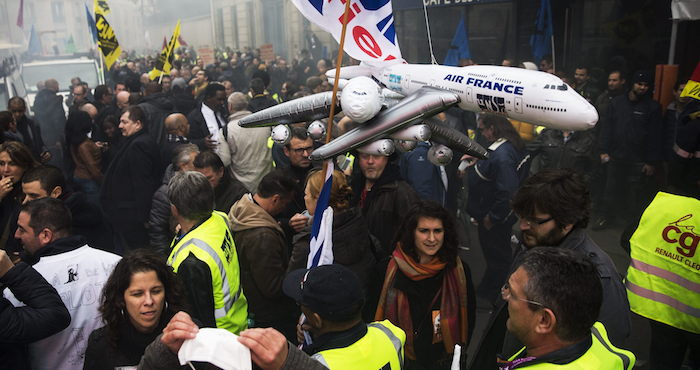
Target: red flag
(692,88)
(181,41)
(165,43)
(20,15)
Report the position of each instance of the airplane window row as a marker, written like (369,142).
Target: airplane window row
(546,108)
(555,87)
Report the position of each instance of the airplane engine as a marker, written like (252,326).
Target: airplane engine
(383,147)
(405,145)
(439,155)
(281,134)
(361,99)
(413,133)
(316,130)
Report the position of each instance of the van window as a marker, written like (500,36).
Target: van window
(62,72)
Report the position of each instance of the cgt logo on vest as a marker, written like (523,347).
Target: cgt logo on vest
(683,235)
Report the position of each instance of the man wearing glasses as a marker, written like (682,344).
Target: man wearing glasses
(554,298)
(297,152)
(554,208)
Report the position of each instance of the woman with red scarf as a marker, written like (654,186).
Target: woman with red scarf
(427,289)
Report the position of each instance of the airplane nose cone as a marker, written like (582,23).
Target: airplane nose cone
(589,117)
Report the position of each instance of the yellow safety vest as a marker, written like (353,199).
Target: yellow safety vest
(663,279)
(212,243)
(602,355)
(381,346)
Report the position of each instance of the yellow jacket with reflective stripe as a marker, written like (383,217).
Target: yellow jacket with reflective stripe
(663,280)
(381,346)
(212,243)
(602,355)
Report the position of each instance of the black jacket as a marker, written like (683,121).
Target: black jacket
(49,113)
(44,314)
(632,130)
(198,127)
(157,107)
(160,225)
(229,191)
(101,353)
(385,205)
(550,150)
(130,181)
(260,102)
(31,134)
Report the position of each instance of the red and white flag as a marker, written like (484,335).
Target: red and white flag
(371,36)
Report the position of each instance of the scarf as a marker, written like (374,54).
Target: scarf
(393,303)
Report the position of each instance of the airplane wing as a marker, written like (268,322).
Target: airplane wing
(454,139)
(424,103)
(308,108)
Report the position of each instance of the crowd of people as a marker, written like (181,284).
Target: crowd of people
(145,213)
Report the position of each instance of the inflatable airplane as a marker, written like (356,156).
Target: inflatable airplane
(395,104)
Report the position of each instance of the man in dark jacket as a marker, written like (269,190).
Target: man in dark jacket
(208,117)
(260,100)
(129,183)
(157,106)
(160,225)
(227,189)
(49,114)
(44,313)
(31,133)
(383,197)
(264,252)
(553,206)
(562,149)
(631,143)
(48,181)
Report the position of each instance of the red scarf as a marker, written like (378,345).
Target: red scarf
(393,303)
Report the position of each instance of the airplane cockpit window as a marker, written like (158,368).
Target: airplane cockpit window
(546,87)
(562,87)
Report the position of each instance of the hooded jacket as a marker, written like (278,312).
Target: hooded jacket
(263,256)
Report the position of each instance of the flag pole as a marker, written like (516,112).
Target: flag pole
(339,61)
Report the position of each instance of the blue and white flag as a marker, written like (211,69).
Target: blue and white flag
(321,245)
(459,47)
(541,40)
(91,24)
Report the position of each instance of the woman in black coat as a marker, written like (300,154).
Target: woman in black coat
(140,297)
(130,181)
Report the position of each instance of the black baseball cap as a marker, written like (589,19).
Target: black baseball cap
(332,291)
(643,76)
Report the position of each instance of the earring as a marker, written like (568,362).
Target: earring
(166,306)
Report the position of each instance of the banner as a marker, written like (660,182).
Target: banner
(165,59)
(106,39)
(371,36)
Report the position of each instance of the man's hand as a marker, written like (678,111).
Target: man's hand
(298,222)
(5,263)
(648,170)
(268,347)
(45,156)
(604,158)
(180,328)
(487,223)
(210,143)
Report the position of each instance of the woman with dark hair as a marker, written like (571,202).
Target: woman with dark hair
(492,184)
(427,288)
(85,155)
(138,300)
(8,125)
(15,160)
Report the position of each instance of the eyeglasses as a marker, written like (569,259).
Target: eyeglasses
(505,294)
(302,150)
(534,221)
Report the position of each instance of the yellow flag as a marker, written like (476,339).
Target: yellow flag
(692,88)
(106,39)
(165,59)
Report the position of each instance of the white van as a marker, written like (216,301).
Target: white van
(61,70)
(11,83)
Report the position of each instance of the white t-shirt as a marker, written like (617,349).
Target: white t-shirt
(78,276)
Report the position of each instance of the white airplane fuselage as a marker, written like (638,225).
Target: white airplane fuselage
(530,96)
